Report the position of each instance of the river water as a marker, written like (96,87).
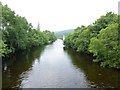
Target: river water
(54,66)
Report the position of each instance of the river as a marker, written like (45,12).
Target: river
(54,66)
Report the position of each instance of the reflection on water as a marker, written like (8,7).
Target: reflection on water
(53,66)
(97,76)
(16,65)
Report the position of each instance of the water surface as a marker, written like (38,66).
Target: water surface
(53,66)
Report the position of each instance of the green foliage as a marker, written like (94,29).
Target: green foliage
(3,49)
(17,33)
(36,38)
(79,40)
(50,35)
(100,38)
(105,45)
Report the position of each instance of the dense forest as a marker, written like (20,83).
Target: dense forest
(100,39)
(17,34)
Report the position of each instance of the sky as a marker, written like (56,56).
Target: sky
(56,15)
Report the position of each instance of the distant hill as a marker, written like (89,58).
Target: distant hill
(59,34)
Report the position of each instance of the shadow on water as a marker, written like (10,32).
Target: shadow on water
(18,64)
(97,76)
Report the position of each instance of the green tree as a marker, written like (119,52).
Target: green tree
(100,38)
(18,34)
(50,35)
(105,47)
(3,49)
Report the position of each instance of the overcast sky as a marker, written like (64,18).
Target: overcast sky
(56,15)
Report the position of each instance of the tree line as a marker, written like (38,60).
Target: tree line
(18,34)
(101,38)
